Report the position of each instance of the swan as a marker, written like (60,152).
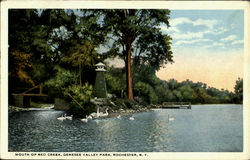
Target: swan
(69,117)
(95,114)
(131,118)
(119,116)
(104,114)
(61,118)
(170,118)
(89,117)
(85,120)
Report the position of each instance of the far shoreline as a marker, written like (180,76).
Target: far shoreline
(122,112)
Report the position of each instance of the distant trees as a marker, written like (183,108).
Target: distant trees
(153,90)
(238,90)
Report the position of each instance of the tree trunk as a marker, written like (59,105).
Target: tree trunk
(128,63)
(80,74)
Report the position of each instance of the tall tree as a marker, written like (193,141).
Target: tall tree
(238,90)
(136,34)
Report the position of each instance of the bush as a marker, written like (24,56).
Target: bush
(130,104)
(79,98)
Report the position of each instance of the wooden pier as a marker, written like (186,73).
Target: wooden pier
(176,105)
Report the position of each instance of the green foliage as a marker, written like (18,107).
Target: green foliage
(238,91)
(64,85)
(173,84)
(115,80)
(202,96)
(164,93)
(82,94)
(146,91)
(152,90)
(62,78)
(146,74)
(188,93)
(140,27)
(81,54)
(48,35)
(20,63)
(79,97)
(178,96)
(137,33)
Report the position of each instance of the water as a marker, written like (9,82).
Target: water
(204,128)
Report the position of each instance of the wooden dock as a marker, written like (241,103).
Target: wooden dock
(23,99)
(176,105)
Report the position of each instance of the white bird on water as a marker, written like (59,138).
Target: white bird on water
(119,116)
(104,114)
(85,120)
(89,117)
(95,115)
(62,118)
(69,117)
(131,118)
(170,118)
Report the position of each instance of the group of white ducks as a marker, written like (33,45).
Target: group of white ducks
(65,117)
(93,115)
(100,115)
(96,115)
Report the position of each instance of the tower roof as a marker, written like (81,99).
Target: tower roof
(100,64)
(100,67)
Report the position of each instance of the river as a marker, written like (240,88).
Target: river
(204,128)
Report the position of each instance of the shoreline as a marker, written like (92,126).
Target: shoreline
(122,112)
(15,109)
(114,113)
(125,112)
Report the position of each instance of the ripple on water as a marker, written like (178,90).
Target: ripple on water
(203,128)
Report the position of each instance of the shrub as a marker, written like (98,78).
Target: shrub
(79,98)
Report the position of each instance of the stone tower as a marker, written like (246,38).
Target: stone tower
(100,89)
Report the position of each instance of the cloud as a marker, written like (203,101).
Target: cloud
(203,22)
(215,44)
(221,30)
(188,35)
(209,23)
(169,29)
(229,38)
(192,35)
(179,21)
(192,41)
(177,34)
(238,42)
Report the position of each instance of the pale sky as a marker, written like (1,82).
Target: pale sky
(207,47)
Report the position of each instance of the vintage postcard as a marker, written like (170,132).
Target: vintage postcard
(125,80)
